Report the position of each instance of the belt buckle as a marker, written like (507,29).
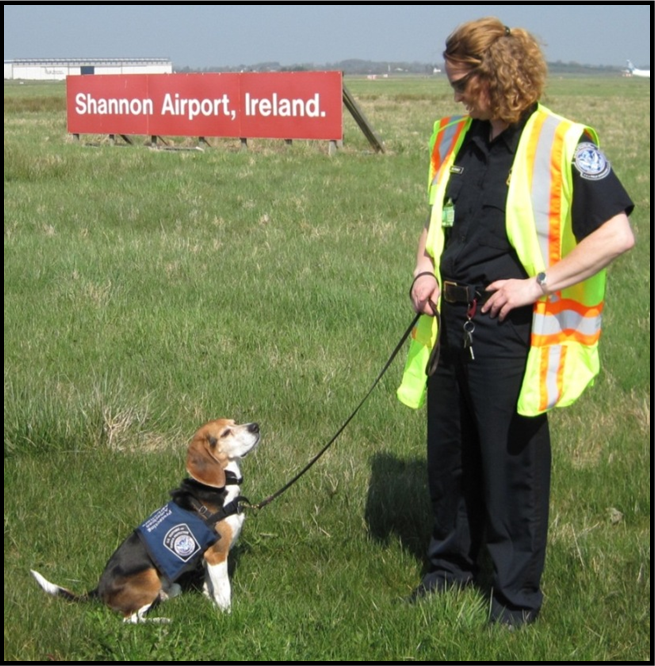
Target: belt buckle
(449,291)
(458,293)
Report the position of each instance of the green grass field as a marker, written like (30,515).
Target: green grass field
(148,291)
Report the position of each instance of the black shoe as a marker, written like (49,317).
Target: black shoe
(419,593)
(432,585)
(512,620)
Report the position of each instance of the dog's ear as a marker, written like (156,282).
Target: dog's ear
(203,461)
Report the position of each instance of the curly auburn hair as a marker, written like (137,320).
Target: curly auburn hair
(509,61)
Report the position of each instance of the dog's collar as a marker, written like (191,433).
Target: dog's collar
(231,479)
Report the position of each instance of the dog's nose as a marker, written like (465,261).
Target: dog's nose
(253,427)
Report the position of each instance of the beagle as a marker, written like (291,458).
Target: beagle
(202,520)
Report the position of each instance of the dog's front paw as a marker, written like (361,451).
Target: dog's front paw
(217,586)
(220,595)
(225,605)
(223,596)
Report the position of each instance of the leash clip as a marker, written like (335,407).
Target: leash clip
(244,503)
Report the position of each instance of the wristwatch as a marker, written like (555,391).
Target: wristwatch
(542,281)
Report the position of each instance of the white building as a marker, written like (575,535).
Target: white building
(56,69)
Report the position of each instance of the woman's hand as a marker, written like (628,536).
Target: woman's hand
(425,293)
(510,294)
(590,255)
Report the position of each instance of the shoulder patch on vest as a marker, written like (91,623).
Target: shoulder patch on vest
(590,161)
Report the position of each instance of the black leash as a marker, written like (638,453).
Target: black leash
(394,353)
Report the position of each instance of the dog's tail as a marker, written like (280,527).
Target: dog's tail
(57,591)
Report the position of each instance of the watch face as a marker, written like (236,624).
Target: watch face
(541,279)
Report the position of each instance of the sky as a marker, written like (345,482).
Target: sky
(199,36)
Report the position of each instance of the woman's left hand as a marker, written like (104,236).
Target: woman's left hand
(510,294)
(590,255)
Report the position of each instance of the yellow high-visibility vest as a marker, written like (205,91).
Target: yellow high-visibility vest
(563,356)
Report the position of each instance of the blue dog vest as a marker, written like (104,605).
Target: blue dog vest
(175,539)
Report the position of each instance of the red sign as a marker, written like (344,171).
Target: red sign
(298,105)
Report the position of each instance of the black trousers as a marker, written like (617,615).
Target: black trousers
(489,479)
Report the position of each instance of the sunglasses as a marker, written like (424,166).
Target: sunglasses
(459,86)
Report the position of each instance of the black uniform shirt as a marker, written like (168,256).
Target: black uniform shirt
(477,250)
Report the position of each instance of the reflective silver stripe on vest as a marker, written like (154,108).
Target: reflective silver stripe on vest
(554,361)
(542,183)
(541,191)
(566,320)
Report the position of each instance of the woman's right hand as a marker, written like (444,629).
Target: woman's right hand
(424,293)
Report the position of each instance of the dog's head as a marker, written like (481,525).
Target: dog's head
(217,444)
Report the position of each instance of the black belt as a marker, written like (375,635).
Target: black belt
(455,292)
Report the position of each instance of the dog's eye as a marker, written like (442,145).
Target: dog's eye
(226,433)
(212,441)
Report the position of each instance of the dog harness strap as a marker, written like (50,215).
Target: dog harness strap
(228,510)
(175,539)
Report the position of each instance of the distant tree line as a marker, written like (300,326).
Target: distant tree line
(364,67)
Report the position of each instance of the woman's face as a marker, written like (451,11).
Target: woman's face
(477,104)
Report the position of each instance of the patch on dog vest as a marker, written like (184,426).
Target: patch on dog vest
(175,539)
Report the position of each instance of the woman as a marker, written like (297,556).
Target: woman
(526,213)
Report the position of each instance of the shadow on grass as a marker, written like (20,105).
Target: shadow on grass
(398,505)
